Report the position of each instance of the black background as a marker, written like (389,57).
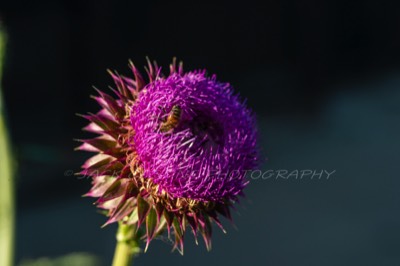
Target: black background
(322,77)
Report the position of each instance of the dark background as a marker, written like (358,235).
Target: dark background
(322,77)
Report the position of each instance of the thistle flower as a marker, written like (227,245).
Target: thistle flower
(172,152)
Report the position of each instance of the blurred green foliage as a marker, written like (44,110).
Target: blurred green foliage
(73,259)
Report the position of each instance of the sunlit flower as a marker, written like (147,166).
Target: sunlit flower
(172,152)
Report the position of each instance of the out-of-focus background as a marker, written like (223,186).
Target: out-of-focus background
(322,76)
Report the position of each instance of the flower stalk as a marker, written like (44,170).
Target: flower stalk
(6,184)
(127,245)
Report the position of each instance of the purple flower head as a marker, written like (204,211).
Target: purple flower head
(170,153)
(206,154)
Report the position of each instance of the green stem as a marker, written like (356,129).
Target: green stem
(6,185)
(127,245)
